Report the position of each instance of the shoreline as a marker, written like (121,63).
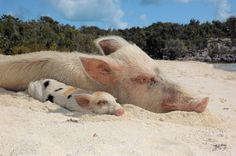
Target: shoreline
(231,67)
(204,60)
(216,65)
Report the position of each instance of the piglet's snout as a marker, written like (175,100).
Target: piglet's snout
(119,112)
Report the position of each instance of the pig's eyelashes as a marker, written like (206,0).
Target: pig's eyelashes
(145,80)
(141,79)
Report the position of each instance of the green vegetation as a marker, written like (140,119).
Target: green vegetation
(159,40)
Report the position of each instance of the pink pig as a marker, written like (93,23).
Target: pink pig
(126,72)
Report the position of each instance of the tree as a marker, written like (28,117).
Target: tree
(159,40)
(174,49)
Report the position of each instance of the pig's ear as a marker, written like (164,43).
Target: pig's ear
(110,44)
(102,70)
(83,100)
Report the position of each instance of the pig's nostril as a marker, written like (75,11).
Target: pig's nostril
(119,112)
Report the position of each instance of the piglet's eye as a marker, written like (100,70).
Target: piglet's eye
(102,102)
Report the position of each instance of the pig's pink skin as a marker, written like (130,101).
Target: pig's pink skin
(126,72)
(119,112)
(200,107)
(142,83)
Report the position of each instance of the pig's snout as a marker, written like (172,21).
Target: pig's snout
(119,112)
(202,105)
(197,106)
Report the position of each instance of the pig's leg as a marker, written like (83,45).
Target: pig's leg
(199,107)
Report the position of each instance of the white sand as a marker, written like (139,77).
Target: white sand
(28,127)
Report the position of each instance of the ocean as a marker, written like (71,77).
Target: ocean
(226,66)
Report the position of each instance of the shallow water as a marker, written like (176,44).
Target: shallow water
(226,66)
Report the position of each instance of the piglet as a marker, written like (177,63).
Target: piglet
(74,99)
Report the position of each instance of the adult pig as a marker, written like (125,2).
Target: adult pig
(126,72)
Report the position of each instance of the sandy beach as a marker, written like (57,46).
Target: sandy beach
(29,127)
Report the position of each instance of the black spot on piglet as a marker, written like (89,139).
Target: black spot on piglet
(50,98)
(56,90)
(69,96)
(46,84)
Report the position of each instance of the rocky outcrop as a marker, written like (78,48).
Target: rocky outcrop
(218,50)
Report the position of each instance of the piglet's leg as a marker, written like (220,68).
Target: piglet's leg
(199,107)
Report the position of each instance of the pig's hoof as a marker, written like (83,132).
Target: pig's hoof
(202,105)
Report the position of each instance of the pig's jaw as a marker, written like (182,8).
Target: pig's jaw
(137,97)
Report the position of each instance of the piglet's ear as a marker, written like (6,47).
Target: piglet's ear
(83,100)
(102,70)
(110,44)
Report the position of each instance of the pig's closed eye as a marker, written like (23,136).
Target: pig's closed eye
(102,102)
(141,79)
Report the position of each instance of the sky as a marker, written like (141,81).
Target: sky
(120,14)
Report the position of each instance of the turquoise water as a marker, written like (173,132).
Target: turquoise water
(225,66)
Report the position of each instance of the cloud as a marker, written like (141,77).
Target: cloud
(162,1)
(91,10)
(223,7)
(143,17)
(183,1)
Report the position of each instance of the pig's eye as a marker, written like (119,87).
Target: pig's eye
(102,102)
(144,79)
(140,79)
